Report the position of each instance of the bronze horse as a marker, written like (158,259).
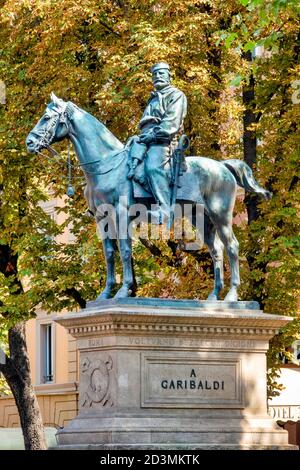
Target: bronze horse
(104,161)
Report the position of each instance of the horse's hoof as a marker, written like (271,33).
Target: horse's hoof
(104,295)
(123,293)
(232,296)
(213,296)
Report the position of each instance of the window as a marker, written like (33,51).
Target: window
(47,353)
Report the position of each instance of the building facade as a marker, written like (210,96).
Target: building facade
(53,359)
(54,370)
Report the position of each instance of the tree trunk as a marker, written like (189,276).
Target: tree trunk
(249,138)
(250,156)
(16,370)
(17,374)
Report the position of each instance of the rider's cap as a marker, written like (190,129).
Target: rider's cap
(159,66)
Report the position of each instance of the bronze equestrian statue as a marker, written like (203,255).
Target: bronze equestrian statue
(111,169)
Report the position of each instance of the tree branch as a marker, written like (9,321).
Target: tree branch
(154,250)
(158,254)
(174,246)
(120,3)
(294,182)
(203,258)
(268,98)
(75,294)
(109,28)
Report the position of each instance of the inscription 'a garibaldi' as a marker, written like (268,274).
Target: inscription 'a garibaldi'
(192,383)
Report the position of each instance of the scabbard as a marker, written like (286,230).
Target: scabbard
(178,158)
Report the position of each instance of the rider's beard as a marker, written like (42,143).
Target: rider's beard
(161,83)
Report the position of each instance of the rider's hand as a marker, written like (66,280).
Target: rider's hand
(148,138)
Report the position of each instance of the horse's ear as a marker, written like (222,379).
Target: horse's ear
(55,100)
(53,97)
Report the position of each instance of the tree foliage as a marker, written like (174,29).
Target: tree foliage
(98,54)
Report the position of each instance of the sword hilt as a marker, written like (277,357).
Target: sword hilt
(184,143)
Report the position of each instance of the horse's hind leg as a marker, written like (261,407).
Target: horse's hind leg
(109,248)
(233,255)
(216,248)
(220,213)
(232,248)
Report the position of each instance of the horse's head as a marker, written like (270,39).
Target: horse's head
(52,127)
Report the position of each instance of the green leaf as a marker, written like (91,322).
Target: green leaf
(229,40)
(250,46)
(237,81)
(22,74)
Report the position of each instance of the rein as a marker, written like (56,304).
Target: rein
(79,165)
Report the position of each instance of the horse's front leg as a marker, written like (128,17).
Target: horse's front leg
(109,247)
(127,289)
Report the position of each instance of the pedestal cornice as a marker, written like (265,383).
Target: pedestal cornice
(207,319)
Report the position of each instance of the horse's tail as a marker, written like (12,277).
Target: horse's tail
(244,177)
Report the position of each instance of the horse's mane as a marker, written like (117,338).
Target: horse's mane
(99,124)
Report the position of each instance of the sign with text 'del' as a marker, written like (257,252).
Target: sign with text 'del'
(187,382)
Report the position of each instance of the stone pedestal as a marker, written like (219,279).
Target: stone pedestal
(172,374)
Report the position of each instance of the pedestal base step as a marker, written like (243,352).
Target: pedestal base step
(134,447)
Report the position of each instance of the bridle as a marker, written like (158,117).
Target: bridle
(49,132)
(48,135)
